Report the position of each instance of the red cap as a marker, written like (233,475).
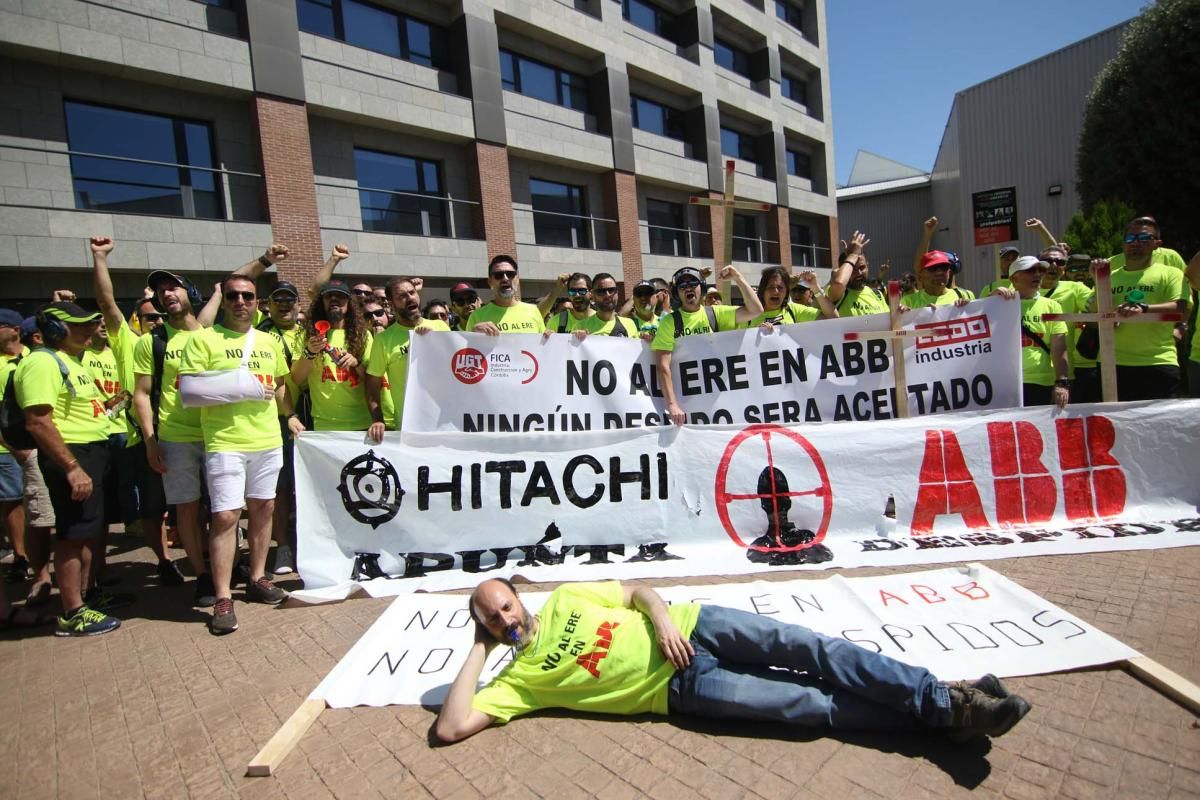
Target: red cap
(935,258)
(462,287)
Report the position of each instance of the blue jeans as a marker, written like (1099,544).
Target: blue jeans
(826,682)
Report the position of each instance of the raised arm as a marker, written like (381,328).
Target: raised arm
(105,297)
(828,307)
(927,229)
(836,289)
(546,304)
(253,269)
(1035,224)
(207,316)
(753,304)
(339,254)
(458,719)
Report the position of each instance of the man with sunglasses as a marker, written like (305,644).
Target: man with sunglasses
(1074,298)
(242,442)
(936,269)
(463,301)
(579,308)
(1008,255)
(437,309)
(691,318)
(506,313)
(1147,362)
(1044,372)
(644,308)
(848,289)
(605,321)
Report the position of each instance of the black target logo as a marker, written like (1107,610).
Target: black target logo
(370,489)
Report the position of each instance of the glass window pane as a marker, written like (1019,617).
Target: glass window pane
(399,210)
(419,39)
(538,80)
(644,15)
(746,246)
(508,70)
(371,28)
(665,225)
(316,16)
(730,142)
(723,54)
(565,227)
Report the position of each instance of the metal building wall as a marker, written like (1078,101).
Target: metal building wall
(891,220)
(947,187)
(1022,129)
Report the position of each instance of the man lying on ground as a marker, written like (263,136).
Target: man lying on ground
(605,647)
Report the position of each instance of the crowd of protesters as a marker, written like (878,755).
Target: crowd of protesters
(177,420)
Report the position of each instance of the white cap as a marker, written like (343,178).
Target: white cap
(1026,262)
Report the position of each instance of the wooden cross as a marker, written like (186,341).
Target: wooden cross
(1106,319)
(898,336)
(723,255)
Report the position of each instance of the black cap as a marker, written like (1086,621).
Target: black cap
(335,286)
(10,318)
(687,272)
(70,312)
(644,287)
(284,287)
(154,277)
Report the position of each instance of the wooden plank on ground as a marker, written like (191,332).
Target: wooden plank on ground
(272,755)
(1172,684)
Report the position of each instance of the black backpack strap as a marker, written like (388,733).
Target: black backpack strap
(961,294)
(562,321)
(618,328)
(1038,340)
(677,318)
(267,326)
(158,340)
(712,319)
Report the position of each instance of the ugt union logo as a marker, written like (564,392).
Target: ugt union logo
(468,365)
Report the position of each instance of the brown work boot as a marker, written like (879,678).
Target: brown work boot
(974,713)
(989,684)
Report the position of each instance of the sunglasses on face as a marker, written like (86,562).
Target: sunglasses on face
(577,292)
(504,275)
(938,268)
(377,313)
(462,299)
(442,315)
(283,300)
(687,285)
(152,317)
(606,290)
(233,295)
(1058,262)
(362,292)
(1130,238)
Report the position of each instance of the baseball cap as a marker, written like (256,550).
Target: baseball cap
(463,288)
(10,318)
(335,286)
(687,272)
(70,312)
(644,287)
(157,275)
(285,287)
(1004,251)
(935,258)
(1026,262)
(28,328)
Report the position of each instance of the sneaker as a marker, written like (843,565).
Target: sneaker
(86,622)
(989,684)
(263,591)
(206,593)
(285,562)
(224,620)
(100,599)
(18,570)
(169,574)
(973,713)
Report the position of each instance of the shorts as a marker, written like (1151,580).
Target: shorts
(287,473)
(151,500)
(12,481)
(78,520)
(235,477)
(39,511)
(1157,382)
(121,492)
(185,463)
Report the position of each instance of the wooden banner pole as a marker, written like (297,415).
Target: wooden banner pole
(285,739)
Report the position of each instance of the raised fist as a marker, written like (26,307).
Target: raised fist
(102,245)
(276,253)
(931,223)
(340,252)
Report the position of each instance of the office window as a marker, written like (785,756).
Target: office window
(737,144)
(374,28)
(666,223)
(562,219)
(649,17)
(802,250)
(799,164)
(656,118)
(746,246)
(533,78)
(789,13)
(731,57)
(389,194)
(167,187)
(794,89)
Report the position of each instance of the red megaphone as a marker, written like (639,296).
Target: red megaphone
(322,326)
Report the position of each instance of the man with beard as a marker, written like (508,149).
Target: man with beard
(643,308)
(579,310)
(506,313)
(64,414)
(936,270)
(375,315)
(387,366)
(1008,255)
(1074,297)
(463,301)
(848,289)
(692,318)
(605,321)
(242,442)
(638,655)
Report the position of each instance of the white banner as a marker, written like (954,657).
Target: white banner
(438,509)
(957,623)
(796,374)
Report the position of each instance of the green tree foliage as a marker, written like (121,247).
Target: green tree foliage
(1098,231)
(1141,130)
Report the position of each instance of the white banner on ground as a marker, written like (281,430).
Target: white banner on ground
(957,623)
(441,508)
(797,374)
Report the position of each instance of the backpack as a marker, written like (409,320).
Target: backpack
(677,316)
(12,416)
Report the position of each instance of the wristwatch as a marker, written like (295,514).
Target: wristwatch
(1063,383)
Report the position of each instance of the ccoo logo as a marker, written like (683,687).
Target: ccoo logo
(468,365)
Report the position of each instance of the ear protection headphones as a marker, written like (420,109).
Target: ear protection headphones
(689,272)
(193,296)
(53,330)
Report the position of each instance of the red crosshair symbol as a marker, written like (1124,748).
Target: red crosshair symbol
(723,497)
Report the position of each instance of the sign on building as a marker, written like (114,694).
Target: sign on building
(995,214)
